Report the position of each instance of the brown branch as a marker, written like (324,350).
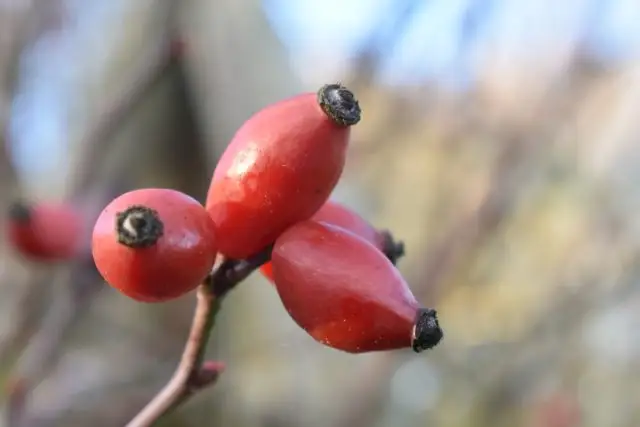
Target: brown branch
(191,376)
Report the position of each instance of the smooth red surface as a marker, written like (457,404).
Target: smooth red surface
(342,290)
(339,215)
(280,168)
(52,233)
(175,265)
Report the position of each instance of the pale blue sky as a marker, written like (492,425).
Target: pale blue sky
(439,43)
(444,35)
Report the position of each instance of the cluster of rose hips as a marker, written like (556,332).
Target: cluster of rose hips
(334,272)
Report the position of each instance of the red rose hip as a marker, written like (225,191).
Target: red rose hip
(337,214)
(346,294)
(280,168)
(154,244)
(44,231)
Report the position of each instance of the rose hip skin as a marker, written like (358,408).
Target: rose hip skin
(45,231)
(346,294)
(337,214)
(154,244)
(279,168)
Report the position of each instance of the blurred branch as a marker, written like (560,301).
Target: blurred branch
(8,178)
(30,304)
(116,110)
(515,160)
(15,28)
(18,24)
(365,403)
(74,288)
(81,280)
(472,228)
(383,40)
(191,376)
(560,325)
(522,366)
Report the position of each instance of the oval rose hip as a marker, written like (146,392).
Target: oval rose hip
(346,294)
(154,244)
(337,214)
(44,231)
(279,168)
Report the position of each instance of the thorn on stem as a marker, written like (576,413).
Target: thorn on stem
(209,373)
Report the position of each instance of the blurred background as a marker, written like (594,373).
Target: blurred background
(499,140)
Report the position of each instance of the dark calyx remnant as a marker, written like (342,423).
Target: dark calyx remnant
(426,332)
(340,104)
(138,227)
(20,212)
(393,249)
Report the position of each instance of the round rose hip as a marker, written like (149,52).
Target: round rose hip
(44,231)
(154,244)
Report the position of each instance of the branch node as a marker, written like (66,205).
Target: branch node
(191,374)
(207,375)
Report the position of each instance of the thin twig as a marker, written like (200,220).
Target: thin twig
(190,377)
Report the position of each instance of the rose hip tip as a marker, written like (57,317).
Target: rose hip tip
(20,211)
(426,332)
(138,227)
(340,104)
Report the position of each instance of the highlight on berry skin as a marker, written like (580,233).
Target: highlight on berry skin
(310,133)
